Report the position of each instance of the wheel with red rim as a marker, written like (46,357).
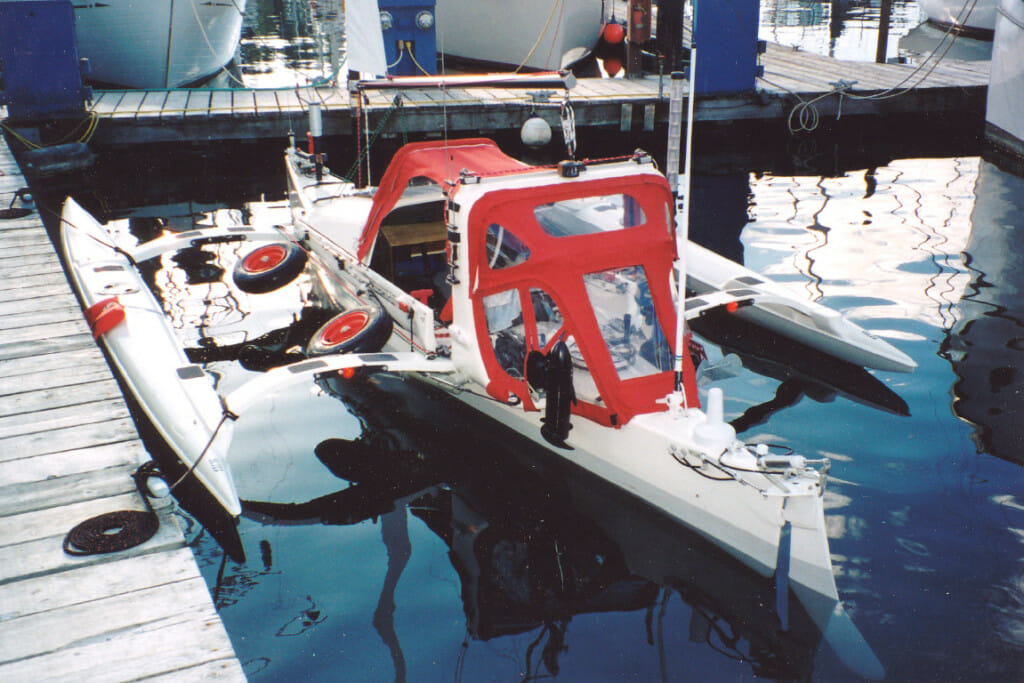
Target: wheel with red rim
(269,267)
(357,330)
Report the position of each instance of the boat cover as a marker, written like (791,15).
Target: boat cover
(439,160)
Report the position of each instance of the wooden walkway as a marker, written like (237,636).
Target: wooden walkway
(791,77)
(68,447)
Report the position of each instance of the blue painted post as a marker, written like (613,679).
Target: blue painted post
(725,33)
(40,76)
(409,36)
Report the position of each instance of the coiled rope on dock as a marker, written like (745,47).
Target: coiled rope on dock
(118,530)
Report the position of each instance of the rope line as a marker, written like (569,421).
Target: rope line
(806,114)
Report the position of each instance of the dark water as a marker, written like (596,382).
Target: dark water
(388,535)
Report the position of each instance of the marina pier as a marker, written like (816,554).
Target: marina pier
(796,86)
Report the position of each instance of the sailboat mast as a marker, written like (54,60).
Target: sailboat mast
(683,224)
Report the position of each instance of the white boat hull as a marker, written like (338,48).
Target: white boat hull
(980,18)
(177,397)
(1004,114)
(157,43)
(531,33)
(804,321)
(745,518)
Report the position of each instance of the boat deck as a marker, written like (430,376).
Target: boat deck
(792,79)
(68,447)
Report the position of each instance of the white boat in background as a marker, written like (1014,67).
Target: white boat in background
(157,43)
(1004,112)
(976,17)
(532,34)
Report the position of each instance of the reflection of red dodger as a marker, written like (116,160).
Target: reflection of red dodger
(104,316)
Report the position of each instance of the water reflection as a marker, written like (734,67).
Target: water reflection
(844,29)
(986,345)
(822,235)
(534,544)
(283,44)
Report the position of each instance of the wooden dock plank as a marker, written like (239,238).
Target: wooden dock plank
(243,103)
(67,490)
(86,412)
(28,302)
(93,370)
(175,104)
(172,645)
(26,244)
(28,249)
(38,347)
(220,670)
(19,268)
(198,104)
(118,577)
(40,400)
(153,103)
(46,633)
(128,107)
(221,103)
(23,285)
(39,469)
(106,102)
(34,315)
(21,226)
(289,100)
(266,102)
(45,370)
(68,328)
(951,87)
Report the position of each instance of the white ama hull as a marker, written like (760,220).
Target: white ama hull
(531,33)
(1004,114)
(805,321)
(178,397)
(157,43)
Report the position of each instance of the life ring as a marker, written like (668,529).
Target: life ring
(357,330)
(269,267)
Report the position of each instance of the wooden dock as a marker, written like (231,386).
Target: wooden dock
(792,79)
(68,447)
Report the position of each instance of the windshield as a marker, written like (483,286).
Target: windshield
(621,299)
(589,215)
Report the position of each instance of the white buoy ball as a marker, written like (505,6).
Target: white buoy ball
(535,132)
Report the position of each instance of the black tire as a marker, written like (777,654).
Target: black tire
(269,267)
(357,330)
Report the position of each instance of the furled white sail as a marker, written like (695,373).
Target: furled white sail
(365,40)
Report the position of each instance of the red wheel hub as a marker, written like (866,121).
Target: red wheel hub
(265,258)
(344,327)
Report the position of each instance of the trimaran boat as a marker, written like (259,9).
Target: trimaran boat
(544,297)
